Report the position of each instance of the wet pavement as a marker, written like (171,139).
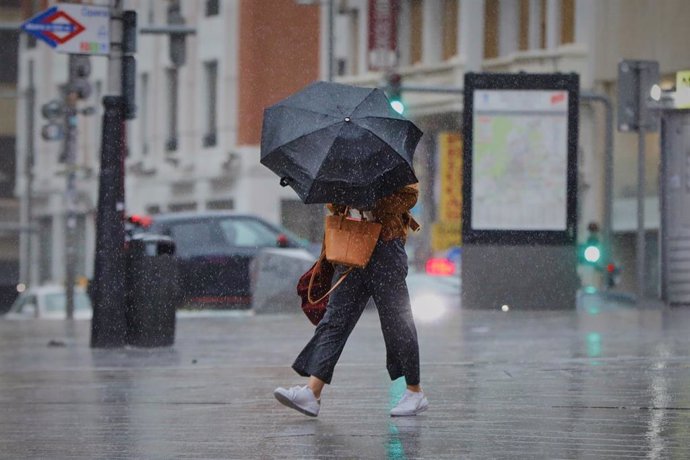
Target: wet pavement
(601,382)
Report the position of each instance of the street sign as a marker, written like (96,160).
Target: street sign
(683,89)
(73,28)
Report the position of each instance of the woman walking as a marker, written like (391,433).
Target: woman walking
(383,279)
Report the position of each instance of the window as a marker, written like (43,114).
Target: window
(7,166)
(523,41)
(567,21)
(34,7)
(151,13)
(211,76)
(212,7)
(542,24)
(346,46)
(180,207)
(491,15)
(247,233)
(153,209)
(172,84)
(416,24)
(8,56)
(220,204)
(450,28)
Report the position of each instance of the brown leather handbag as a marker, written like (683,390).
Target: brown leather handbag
(350,241)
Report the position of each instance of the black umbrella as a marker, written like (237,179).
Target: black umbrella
(336,143)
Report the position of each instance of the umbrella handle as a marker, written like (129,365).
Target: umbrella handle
(285,181)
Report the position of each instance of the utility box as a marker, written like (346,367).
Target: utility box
(675,207)
(152,291)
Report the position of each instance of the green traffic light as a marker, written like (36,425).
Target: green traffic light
(398,106)
(592,254)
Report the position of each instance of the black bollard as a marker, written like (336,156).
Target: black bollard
(108,326)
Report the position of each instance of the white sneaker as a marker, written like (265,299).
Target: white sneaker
(301,399)
(411,403)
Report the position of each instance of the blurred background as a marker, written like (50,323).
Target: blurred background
(193,146)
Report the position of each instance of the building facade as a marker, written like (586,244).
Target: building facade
(195,142)
(10,13)
(438,41)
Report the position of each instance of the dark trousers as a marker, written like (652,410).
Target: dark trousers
(384,279)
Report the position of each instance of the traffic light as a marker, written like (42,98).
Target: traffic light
(129,63)
(394,90)
(79,72)
(591,251)
(54,113)
(635,82)
(612,274)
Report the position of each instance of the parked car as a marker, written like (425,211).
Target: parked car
(49,302)
(215,249)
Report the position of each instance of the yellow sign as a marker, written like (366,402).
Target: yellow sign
(683,89)
(447,232)
(445,235)
(450,154)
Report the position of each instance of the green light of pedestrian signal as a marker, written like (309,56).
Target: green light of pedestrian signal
(398,106)
(592,254)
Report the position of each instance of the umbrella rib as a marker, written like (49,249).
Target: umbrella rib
(307,110)
(362,101)
(301,136)
(327,150)
(383,141)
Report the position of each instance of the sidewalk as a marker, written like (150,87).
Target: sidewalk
(602,382)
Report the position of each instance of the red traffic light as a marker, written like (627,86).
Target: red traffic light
(611,268)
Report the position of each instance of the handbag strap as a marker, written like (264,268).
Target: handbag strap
(311,280)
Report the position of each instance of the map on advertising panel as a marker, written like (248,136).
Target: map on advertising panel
(520,160)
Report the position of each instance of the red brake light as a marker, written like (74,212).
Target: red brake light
(440,267)
(142,221)
(282,241)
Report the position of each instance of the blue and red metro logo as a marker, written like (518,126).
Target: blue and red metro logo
(54,26)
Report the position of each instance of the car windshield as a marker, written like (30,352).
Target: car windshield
(204,236)
(57,302)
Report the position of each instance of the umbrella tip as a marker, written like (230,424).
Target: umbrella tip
(284,181)
(347,119)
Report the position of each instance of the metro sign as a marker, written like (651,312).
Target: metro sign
(51,22)
(72,28)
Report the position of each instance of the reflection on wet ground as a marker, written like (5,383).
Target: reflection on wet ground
(602,381)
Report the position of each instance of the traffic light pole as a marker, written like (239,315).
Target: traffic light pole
(70,156)
(641,181)
(607,220)
(108,326)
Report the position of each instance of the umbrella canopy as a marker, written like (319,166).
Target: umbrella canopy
(335,143)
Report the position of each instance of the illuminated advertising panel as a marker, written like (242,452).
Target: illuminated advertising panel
(520,158)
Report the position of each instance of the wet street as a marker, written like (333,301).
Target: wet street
(600,382)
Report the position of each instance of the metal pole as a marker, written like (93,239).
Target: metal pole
(640,247)
(607,220)
(27,219)
(70,155)
(640,253)
(109,325)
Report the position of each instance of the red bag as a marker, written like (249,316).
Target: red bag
(315,283)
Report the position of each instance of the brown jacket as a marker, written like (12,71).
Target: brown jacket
(392,211)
